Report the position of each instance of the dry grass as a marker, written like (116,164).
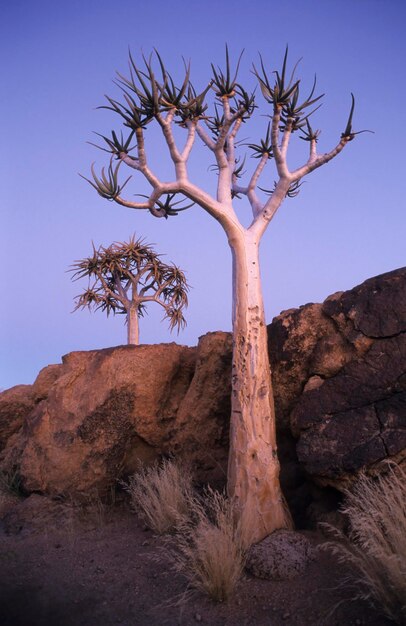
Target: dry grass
(161,495)
(376,509)
(209,551)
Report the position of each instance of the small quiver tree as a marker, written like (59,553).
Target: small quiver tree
(124,277)
(149,94)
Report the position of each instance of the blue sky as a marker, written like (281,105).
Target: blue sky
(58,60)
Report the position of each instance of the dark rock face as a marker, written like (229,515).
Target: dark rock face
(352,411)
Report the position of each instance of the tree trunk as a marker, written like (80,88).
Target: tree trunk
(133,333)
(253,467)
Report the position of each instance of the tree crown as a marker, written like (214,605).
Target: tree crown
(149,93)
(129,274)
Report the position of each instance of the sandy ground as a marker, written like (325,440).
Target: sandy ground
(101,566)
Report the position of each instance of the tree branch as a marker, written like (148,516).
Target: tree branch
(280,159)
(166,125)
(122,293)
(117,296)
(140,164)
(132,205)
(190,140)
(315,161)
(286,137)
(261,221)
(208,141)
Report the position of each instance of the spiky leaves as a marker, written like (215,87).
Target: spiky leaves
(107,186)
(349,134)
(284,93)
(240,103)
(264,147)
(131,274)
(224,82)
(115,145)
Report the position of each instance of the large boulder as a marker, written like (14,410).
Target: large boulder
(19,401)
(340,369)
(108,410)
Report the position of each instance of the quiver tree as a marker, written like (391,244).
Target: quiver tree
(124,277)
(150,96)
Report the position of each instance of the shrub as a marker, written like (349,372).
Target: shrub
(376,509)
(209,550)
(161,494)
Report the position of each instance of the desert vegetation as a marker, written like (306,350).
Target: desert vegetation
(376,545)
(149,94)
(209,550)
(161,494)
(207,547)
(124,277)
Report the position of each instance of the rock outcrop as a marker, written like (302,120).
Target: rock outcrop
(339,372)
(17,403)
(108,410)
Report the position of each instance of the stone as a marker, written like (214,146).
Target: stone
(15,404)
(44,381)
(109,410)
(202,425)
(354,417)
(283,555)
(19,401)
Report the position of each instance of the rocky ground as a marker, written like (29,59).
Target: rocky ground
(69,566)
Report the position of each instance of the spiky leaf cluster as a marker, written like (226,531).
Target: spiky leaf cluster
(224,82)
(264,147)
(292,192)
(115,145)
(169,207)
(107,186)
(124,273)
(284,94)
(146,96)
(309,134)
(349,134)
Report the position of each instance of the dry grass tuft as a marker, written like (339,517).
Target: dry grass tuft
(161,494)
(376,509)
(209,551)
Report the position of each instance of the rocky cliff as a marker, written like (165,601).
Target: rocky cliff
(339,371)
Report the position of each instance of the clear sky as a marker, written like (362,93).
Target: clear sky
(58,60)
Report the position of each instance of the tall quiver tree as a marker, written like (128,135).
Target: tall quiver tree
(125,277)
(253,469)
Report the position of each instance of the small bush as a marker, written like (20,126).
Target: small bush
(376,509)
(161,495)
(209,551)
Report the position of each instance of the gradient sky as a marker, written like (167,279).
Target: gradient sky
(58,60)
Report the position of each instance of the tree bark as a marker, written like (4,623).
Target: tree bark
(133,333)
(253,467)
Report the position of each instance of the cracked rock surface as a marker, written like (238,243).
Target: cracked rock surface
(344,367)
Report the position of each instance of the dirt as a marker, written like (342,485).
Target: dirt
(68,566)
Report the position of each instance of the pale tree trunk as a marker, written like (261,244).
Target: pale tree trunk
(253,469)
(133,333)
